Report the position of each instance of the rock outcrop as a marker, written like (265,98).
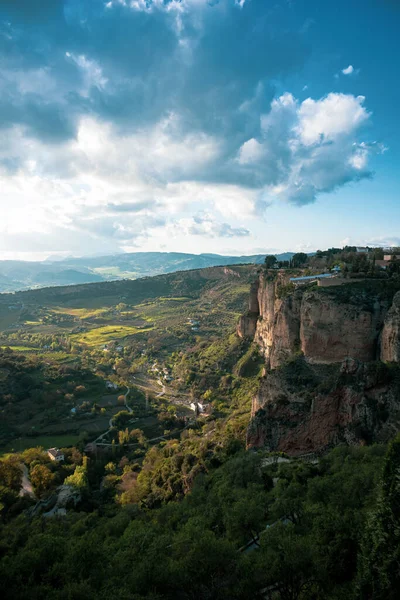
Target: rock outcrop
(390,341)
(247,324)
(322,346)
(304,408)
(325,325)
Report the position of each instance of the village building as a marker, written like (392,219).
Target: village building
(389,257)
(55,454)
(201,409)
(310,278)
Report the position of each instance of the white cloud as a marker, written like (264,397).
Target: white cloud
(310,147)
(251,152)
(205,225)
(332,116)
(348,70)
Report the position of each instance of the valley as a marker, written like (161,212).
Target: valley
(212,418)
(78,344)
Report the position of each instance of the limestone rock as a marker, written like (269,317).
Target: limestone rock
(390,341)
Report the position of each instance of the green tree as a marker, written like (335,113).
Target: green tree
(79,478)
(10,472)
(299,260)
(270,261)
(121,419)
(379,571)
(41,478)
(290,563)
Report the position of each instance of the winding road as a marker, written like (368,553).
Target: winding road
(110,422)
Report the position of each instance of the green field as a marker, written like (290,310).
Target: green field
(82,313)
(46,441)
(108,333)
(20,348)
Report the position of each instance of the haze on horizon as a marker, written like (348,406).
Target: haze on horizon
(202,126)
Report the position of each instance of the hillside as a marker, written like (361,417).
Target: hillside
(20,275)
(115,330)
(166,419)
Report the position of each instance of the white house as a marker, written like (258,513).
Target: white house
(55,454)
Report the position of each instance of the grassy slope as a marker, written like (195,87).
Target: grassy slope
(214,297)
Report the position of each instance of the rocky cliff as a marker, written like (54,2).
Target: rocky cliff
(390,341)
(321,348)
(327,325)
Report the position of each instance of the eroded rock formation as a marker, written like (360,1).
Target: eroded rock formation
(390,342)
(324,381)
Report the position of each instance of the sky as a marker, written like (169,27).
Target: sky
(225,126)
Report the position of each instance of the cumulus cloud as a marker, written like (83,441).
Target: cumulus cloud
(310,147)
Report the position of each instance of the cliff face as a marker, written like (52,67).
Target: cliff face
(390,342)
(331,331)
(323,325)
(247,324)
(319,346)
(308,408)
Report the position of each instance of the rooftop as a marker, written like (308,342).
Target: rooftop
(310,277)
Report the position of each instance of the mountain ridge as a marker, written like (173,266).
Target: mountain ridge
(23,275)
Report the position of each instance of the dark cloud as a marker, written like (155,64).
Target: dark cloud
(205,69)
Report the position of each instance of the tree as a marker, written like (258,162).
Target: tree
(121,419)
(79,478)
(41,478)
(379,572)
(10,473)
(270,261)
(123,437)
(299,259)
(137,434)
(290,565)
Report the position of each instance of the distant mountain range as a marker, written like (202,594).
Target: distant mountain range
(21,275)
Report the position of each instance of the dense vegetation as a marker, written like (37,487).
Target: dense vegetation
(169,504)
(327,530)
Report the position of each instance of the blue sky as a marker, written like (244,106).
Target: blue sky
(230,126)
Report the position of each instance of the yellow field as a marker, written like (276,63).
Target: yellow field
(108,333)
(82,313)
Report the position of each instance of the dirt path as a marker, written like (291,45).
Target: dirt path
(110,422)
(26,486)
(151,385)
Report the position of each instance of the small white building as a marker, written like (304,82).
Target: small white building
(55,454)
(111,386)
(201,409)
